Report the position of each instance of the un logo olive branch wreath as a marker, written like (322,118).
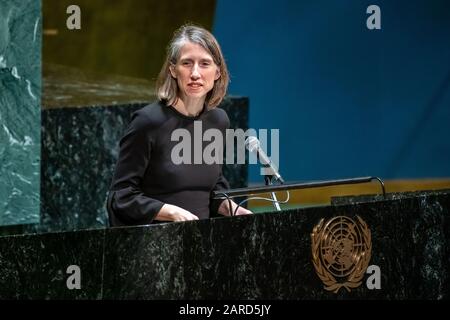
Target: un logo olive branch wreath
(360,260)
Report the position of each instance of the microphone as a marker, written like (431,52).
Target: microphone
(252,144)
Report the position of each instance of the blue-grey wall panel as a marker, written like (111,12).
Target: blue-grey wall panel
(348,101)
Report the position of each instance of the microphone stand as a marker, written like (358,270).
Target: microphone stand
(269,182)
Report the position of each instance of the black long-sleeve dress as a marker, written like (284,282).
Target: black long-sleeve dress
(145,176)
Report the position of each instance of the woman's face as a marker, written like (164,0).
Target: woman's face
(195,71)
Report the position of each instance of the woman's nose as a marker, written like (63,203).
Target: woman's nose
(194,73)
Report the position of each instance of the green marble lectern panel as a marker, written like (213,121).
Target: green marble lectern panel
(20,111)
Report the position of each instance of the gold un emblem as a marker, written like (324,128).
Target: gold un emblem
(341,251)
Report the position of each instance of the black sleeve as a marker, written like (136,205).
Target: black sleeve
(221,184)
(129,204)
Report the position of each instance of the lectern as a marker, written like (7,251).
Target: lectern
(262,256)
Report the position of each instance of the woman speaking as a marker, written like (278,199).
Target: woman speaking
(148,185)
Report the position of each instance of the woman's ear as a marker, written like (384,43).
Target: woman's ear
(217,74)
(172,71)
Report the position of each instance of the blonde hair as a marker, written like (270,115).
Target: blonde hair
(167,86)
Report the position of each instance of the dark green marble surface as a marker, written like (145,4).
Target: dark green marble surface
(35,266)
(268,256)
(149,262)
(389,196)
(20,100)
(263,256)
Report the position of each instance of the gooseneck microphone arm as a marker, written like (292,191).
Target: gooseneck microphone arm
(253,145)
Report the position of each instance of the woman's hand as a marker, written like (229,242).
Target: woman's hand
(224,209)
(242,211)
(170,212)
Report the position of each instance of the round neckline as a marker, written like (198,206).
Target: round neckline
(181,115)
